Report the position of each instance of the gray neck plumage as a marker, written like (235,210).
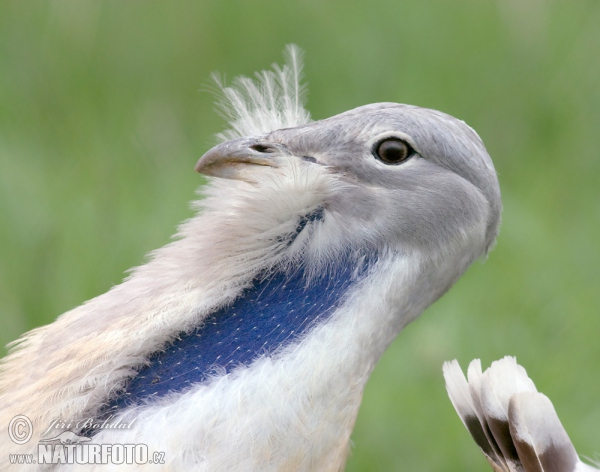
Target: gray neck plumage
(280,307)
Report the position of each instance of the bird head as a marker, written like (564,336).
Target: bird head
(389,176)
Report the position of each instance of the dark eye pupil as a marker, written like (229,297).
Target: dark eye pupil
(393,151)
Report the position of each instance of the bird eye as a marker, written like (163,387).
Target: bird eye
(392,151)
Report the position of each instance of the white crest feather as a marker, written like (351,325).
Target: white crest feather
(274,100)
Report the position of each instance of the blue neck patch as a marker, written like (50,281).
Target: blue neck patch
(275,311)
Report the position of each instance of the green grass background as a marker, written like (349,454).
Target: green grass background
(102,120)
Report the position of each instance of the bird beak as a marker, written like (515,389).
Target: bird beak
(241,158)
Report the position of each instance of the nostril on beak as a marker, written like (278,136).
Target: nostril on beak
(262,148)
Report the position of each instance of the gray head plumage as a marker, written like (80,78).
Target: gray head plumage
(447,184)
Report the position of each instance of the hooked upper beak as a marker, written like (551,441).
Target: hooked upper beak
(235,159)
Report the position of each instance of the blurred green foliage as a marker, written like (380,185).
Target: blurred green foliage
(102,120)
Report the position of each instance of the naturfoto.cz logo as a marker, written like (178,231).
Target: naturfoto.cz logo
(68,447)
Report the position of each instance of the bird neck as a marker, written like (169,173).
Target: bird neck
(300,404)
(279,308)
